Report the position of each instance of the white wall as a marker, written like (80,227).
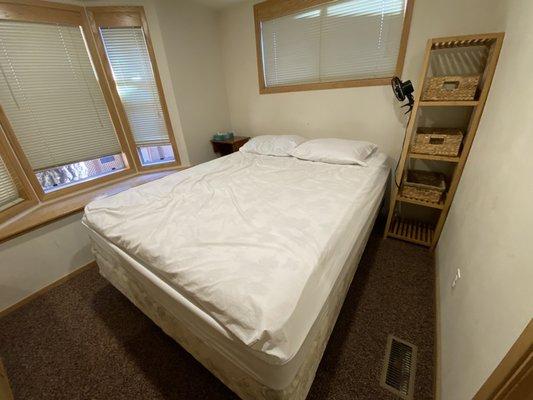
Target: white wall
(192,45)
(41,257)
(185,39)
(488,233)
(369,113)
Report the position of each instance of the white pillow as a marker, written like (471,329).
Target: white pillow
(335,151)
(273,145)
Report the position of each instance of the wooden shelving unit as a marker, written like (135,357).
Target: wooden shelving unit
(439,205)
(466,103)
(420,231)
(431,157)
(413,231)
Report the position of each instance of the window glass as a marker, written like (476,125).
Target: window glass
(337,41)
(66,175)
(130,63)
(156,154)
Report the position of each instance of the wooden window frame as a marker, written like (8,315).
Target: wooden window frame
(272,9)
(131,17)
(39,208)
(26,193)
(66,14)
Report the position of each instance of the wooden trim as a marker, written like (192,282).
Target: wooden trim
(326,85)
(41,11)
(30,174)
(47,288)
(5,389)
(271,9)
(483,38)
(108,74)
(512,378)
(475,119)
(406,28)
(117,16)
(259,48)
(41,8)
(87,185)
(19,153)
(107,92)
(71,199)
(130,17)
(17,174)
(45,213)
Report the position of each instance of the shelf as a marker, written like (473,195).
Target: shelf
(404,222)
(412,231)
(449,103)
(439,205)
(434,158)
(464,41)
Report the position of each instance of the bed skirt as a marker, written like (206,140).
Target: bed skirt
(240,381)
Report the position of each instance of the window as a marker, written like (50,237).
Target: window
(67,175)
(9,194)
(333,44)
(151,155)
(52,98)
(15,192)
(81,103)
(127,51)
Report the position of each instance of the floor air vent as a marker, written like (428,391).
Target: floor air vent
(400,366)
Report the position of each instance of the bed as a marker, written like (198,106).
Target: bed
(245,261)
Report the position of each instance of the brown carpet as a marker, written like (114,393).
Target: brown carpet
(84,340)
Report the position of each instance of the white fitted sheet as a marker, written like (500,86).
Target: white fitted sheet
(256,243)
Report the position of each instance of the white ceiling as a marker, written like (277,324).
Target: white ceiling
(219,4)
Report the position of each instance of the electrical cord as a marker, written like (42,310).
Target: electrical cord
(399,158)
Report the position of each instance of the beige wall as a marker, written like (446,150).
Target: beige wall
(369,113)
(185,39)
(488,233)
(192,46)
(32,261)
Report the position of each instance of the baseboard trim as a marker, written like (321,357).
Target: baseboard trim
(47,288)
(5,389)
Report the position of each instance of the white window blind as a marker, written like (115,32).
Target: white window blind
(50,93)
(132,70)
(9,195)
(337,41)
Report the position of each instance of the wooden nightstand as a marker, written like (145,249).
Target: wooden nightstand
(225,147)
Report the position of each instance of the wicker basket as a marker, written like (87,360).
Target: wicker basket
(451,88)
(424,186)
(438,141)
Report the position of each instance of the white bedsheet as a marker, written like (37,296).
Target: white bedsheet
(254,241)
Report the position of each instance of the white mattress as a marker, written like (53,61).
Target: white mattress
(252,243)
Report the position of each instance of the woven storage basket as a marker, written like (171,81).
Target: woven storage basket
(424,186)
(438,141)
(451,88)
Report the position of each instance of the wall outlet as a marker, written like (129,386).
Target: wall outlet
(456,277)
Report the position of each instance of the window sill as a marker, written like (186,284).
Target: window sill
(325,85)
(49,211)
